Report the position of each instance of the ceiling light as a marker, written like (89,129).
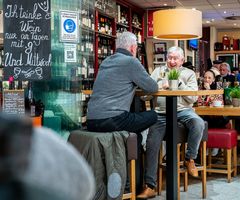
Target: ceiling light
(165,4)
(193,8)
(208,22)
(172,24)
(224,11)
(219,5)
(235,24)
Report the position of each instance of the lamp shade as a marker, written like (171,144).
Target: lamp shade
(177,24)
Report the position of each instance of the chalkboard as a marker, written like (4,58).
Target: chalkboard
(13,102)
(27,39)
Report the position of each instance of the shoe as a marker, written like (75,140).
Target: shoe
(147,193)
(191,167)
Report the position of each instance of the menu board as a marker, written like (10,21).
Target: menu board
(13,102)
(27,39)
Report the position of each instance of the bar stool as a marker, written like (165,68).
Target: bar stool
(226,139)
(181,141)
(84,141)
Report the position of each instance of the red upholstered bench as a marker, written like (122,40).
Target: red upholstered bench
(225,139)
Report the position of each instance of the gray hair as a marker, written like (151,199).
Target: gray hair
(125,40)
(177,50)
(226,65)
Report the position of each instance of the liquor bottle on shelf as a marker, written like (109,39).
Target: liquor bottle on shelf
(1,92)
(85,99)
(124,17)
(19,87)
(102,25)
(83,70)
(30,100)
(1,63)
(109,48)
(107,27)
(11,83)
(118,13)
(139,37)
(84,17)
(91,72)
(120,30)
(92,21)
(136,21)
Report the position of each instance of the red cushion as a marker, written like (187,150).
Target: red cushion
(221,138)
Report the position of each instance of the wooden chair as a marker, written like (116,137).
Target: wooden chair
(132,156)
(226,139)
(181,140)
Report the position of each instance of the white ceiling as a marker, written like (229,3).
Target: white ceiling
(210,10)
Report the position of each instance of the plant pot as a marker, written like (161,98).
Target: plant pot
(173,84)
(235,102)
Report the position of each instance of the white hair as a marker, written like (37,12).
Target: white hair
(125,40)
(226,65)
(176,49)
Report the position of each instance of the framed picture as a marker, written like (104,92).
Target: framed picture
(160,47)
(181,44)
(160,57)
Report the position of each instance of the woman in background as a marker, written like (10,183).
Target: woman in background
(210,100)
(209,84)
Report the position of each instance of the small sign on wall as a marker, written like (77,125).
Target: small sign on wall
(69,26)
(70,53)
(13,102)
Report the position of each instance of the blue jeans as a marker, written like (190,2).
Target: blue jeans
(127,121)
(191,121)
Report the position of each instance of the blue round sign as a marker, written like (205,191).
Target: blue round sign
(69,25)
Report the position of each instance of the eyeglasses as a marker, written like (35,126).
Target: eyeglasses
(174,58)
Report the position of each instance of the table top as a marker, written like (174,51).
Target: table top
(171,92)
(181,92)
(218,111)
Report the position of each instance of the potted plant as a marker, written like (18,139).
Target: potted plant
(173,76)
(235,94)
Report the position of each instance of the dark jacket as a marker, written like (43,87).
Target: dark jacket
(106,154)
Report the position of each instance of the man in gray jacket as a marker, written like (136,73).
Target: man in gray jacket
(185,114)
(114,89)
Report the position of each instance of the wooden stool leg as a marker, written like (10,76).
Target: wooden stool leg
(204,171)
(160,173)
(209,158)
(185,172)
(178,169)
(229,165)
(235,161)
(133,180)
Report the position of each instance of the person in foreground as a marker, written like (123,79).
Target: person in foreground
(114,89)
(37,164)
(185,115)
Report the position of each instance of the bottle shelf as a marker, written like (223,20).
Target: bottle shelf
(101,13)
(136,27)
(87,29)
(127,18)
(122,25)
(106,35)
(88,54)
